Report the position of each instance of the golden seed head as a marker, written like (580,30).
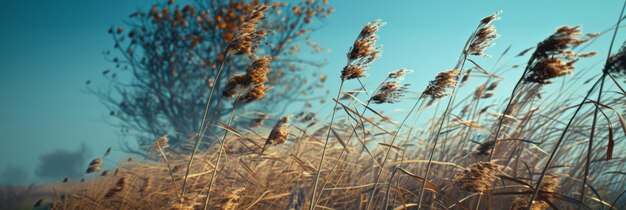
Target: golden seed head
(257,92)
(363,52)
(438,87)
(279,133)
(95,165)
(487,20)
(399,74)
(554,56)
(161,143)
(257,72)
(390,92)
(478,177)
(247,37)
(233,85)
(545,69)
(484,36)
(120,185)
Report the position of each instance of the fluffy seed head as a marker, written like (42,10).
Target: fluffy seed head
(161,143)
(545,69)
(233,85)
(483,37)
(389,92)
(438,87)
(554,58)
(399,74)
(120,185)
(247,37)
(279,133)
(550,184)
(257,92)
(363,52)
(95,165)
(477,177)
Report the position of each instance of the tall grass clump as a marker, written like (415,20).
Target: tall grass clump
(465,148)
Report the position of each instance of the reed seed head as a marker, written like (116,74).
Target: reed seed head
(554,58)
(484,36)
(546,69)
(120,185)
(279,133)
(258,70)
(438,87)
(478,177)
(257,92)
(390,92)
(363,52)
(247,37)
(399,74)
(95,165)
(233,85)
(549,185)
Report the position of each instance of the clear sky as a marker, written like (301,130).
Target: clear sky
(48,49)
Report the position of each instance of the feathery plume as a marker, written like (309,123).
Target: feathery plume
(279,133)
(120,185)
(257,92)
(389,92)
(252,82)
(363,51)
(553,57)
(399,74)
(438,87)
(95,165)
(233,85)
(550,185)
(485,34)
(247,37)
(477,177)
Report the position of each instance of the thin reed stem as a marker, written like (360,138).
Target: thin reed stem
(201,131)
(319,168)
(219,155)
(350,137)
(556,147)
(558,143)
(595,111)
(460,63)
(382,166)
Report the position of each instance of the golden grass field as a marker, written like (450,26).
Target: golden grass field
(459,146)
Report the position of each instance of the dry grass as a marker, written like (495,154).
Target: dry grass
(365,159)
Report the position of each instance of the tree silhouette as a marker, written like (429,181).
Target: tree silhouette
(166,62)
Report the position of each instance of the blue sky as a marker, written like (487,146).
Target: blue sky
(50,48)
